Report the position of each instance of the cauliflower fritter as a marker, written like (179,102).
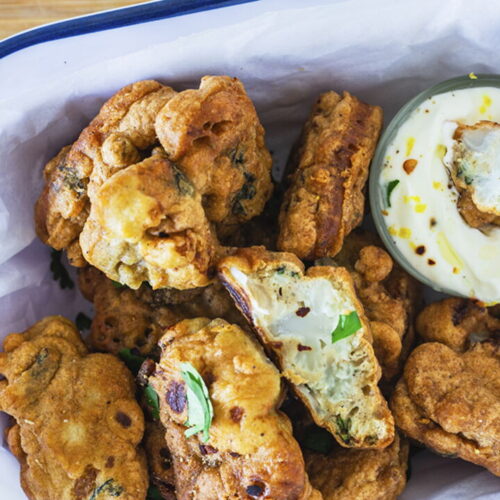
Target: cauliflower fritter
(250,451)
(147,223)
(389,295)
(117,137)
(325,201)
(215,136)
(78,425)
(360,474)
(136,319)
(456,323)
(475,172)
(295,314)
(450,401)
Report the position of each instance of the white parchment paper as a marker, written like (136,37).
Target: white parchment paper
(286,53)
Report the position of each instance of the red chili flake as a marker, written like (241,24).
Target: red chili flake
(236,413)
(301,347)
(302,311)
(431,262)
(420,250)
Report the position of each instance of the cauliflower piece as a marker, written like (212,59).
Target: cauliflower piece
(117,137)
(360,474)
(215,137)
(324,201)
(78,426)
(147,223)
(250,451)
(450,401)
(295,314)
(457,323)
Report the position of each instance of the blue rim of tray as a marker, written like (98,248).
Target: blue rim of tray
(125,16)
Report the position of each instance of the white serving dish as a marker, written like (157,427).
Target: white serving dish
(286,53)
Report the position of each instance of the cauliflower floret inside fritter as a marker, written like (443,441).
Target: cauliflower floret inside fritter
(78,426)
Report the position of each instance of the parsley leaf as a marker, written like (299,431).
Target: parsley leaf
(59,272)
(390,189)
(318,439)
(348,324)
(82,321)
(153,401)
(344,428)
(200,410)
(117,284)
(153,493)
(131,359)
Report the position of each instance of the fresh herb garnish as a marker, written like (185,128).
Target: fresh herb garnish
(153,401)
(59,272)
(82,321)
(348,324)
(153,493)
(117,284)
(318,439)
(111,487)
(390,189)
(131,359)
(200,410)
(344,427)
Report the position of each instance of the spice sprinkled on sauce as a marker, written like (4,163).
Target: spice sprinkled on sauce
(420,250)
(409,165)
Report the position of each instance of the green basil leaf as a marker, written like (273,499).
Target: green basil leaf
(59,272)
(390,189)
(318,439)
(348,325)
(133,361)
(153,401)
(200,409)
(82,321)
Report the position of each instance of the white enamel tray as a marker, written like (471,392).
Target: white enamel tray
(53,80)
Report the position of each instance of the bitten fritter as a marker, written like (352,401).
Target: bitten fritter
(360,474)
(215,136)
(474,171)
(118,136)
(457,323)
(136,319)
(147,223)
(325,201)
(450,401)
(250,451)
(78,425)
(389,295)
(295,313)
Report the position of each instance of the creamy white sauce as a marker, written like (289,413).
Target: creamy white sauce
(423,212)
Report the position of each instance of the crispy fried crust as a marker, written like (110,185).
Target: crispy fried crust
(357,415)
(450,401)
(78,424)
(389,295)
(215,136)
(360,474)
(147,223)
(251,451)
(324,201)
(453,321)
(115,138)
(136,319)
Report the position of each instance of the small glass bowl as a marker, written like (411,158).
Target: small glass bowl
(377,193)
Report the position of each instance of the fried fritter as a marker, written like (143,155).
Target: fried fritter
(389,295)
(159,458)
(250,451)
(295,314)
(135,319)
(475,173)
(117,137)
(450,401)
(325,201)
(78,425)
(360,474)
(456,323)
(147,223)
(215,136)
